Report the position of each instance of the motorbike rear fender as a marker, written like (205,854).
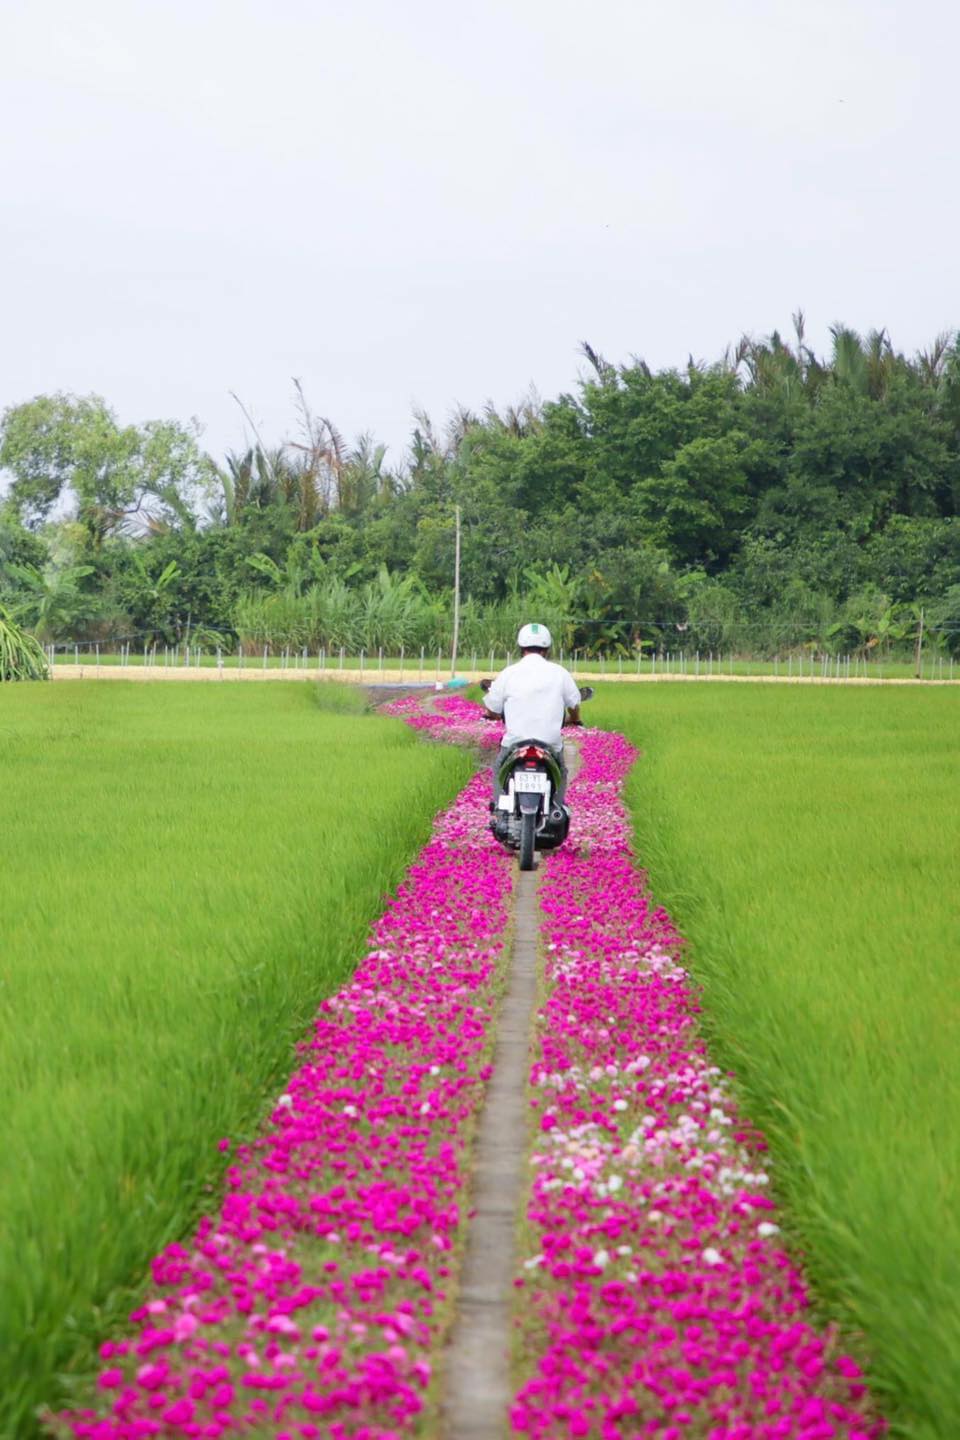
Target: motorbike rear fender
(553,768)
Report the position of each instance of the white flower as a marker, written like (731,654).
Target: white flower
(619,1104)
(614,1183)
(285,1102)
(710,1256)
(349,1109)
(767,1228)
(602,1259)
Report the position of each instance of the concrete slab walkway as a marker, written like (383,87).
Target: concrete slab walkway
(477,1388)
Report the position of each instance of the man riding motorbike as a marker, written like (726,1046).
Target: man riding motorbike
(533,696)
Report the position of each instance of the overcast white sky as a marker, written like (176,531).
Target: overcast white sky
(419,201)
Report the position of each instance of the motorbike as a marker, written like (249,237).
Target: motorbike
(528,818)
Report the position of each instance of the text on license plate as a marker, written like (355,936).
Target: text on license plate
(531,780)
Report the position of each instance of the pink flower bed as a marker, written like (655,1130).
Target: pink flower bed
(450,718)
(656,1298)
(311,1305)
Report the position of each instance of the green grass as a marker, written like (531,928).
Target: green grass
(806,841)
(185,871)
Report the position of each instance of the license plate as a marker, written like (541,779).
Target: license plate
(531,780)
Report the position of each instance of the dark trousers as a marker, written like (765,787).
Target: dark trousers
(502,754)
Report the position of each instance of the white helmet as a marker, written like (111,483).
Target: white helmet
(534,637)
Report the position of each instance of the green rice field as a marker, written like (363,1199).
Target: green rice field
(806,840)
(185,871)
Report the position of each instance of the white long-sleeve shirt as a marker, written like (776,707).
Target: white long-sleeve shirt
(532,696)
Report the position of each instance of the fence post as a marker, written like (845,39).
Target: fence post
(264,659)
(421,662)
(380,657)
(361,667)
(401,664)
(341,657)
(438,664)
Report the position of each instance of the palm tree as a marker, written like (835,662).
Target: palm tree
(931,364)
(363,478)
(605,372)
(862,368)
(248,481)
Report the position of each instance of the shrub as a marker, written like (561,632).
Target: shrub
(21,655)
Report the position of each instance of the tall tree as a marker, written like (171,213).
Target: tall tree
(55,444)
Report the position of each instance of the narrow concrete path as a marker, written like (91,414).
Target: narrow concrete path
(476,1385)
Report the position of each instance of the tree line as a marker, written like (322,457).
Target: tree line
(769,501)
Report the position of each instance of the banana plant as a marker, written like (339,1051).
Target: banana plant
(51,598)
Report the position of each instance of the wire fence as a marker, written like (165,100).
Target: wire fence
(422,666)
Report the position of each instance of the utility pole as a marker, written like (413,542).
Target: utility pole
(456,599)
(917,664)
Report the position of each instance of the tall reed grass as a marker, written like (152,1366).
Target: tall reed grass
(806,842)
(389,613)
(185,871)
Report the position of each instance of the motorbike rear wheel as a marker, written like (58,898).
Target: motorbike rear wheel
(528,831)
